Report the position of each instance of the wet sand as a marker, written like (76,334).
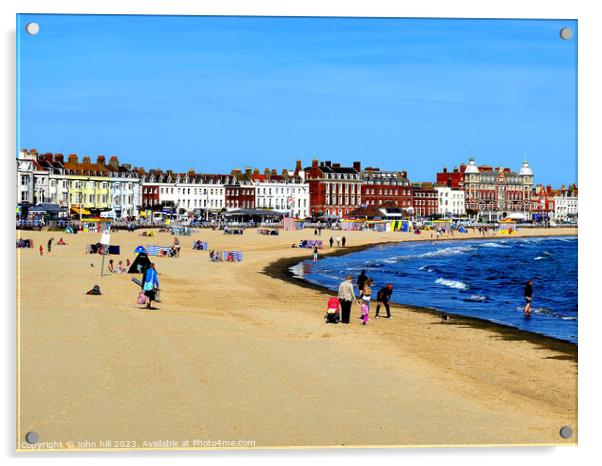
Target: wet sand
(236,353)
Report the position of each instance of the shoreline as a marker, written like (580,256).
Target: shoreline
(280,269)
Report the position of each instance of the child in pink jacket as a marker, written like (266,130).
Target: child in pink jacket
(365,312)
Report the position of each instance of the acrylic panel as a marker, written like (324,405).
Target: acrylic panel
(259,232)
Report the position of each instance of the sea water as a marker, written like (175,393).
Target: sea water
(476,278)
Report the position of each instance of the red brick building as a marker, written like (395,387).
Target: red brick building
(333,190)
(543,202)
(425,200)
(382,188)
(240,192)
(453,179)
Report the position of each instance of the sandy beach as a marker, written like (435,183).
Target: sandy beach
(237,353)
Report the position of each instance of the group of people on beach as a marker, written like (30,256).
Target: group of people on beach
(339,308)
(121,267)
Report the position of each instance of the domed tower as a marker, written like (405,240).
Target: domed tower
(526,179)
(526,174)
(471,173)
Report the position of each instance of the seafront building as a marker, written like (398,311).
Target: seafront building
(32,181)
(566,204)
(450,202)
(324,190)
(183,193)
(286,193)
(492,194)
(386,188)
(334,190)
(86,186)
(425,200)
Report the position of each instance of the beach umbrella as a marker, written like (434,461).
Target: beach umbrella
(139,249)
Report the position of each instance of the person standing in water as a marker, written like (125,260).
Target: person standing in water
(315,253)
(528,297)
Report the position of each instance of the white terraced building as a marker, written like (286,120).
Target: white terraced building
(450,201)
(286,193)
(566,206)
(188,193)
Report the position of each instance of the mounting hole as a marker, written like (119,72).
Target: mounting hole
(32,28)
(32,437)
(566,33)
(566,432)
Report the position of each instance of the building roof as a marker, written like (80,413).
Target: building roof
(525,170)
(471,167)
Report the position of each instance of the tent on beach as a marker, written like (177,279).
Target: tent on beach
(140,264)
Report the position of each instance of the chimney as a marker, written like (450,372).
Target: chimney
(127,166)
(113,162)
(336,165)
(328,163)
(274,172)
(100,160)
(404,174)
(59,158)
(33,151)
(298,167)
(284,172)
(86,160)
(73,158)
(266,172)
(444,169)
(357,166)
(248,171)
(191,172)
(314,163)
(256,171)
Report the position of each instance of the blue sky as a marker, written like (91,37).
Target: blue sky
(216,93)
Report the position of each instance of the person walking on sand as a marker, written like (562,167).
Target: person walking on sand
(50,244)
(365,313)
(315,253)
(331,241)
(382,297)
(528,297)
(346,298)
(150,284)
(338,241)
(41,250)
(344,241)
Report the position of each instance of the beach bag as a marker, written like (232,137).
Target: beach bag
(148,286)
(141,298)
(94,291)
(158,295)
